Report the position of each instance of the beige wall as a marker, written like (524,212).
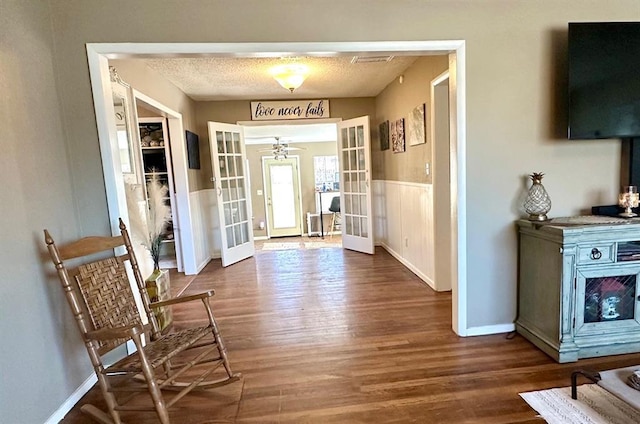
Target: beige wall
(42,358)
(397,101)
(52,171)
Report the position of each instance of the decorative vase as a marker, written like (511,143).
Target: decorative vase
(538,202)
(159,288)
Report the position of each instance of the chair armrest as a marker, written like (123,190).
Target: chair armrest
(181,299)
(123,332)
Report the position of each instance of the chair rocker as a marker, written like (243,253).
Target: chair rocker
(105,311)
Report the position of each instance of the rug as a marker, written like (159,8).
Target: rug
(593,406)
(281,246)
(321,244)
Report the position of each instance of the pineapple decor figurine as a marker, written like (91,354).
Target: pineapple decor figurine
(538,203)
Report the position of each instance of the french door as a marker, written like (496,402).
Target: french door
(228,159)
(354,148)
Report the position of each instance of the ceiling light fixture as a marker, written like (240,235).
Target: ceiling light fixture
(280,149)
(290,76)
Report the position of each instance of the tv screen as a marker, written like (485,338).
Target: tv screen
(604,80)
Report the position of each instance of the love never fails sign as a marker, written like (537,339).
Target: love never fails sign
(289,110)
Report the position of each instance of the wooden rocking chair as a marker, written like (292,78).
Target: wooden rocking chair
(103,305)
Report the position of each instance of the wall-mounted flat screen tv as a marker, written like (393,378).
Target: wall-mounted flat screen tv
(604,80)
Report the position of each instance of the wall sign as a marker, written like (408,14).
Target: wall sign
(294,109)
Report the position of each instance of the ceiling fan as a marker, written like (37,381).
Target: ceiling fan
(280,149)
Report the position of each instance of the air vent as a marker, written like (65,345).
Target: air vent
(371,59)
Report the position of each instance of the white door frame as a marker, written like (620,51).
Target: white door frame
(265,191)
(99,53)
(440,170)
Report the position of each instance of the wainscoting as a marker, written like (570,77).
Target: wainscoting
(403,225)
(204,221)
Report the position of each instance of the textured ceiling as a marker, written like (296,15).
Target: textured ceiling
(216,78)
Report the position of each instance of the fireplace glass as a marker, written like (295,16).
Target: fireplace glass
(610,298)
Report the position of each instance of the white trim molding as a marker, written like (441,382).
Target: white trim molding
(71,401)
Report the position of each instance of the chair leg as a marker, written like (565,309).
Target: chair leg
(152,384)
(332,227)
(222,350)
(109,398)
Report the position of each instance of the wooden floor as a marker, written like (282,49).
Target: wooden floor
(334,336)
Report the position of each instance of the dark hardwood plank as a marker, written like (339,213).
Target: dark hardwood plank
(334,336)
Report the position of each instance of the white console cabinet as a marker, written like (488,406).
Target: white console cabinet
(578,294)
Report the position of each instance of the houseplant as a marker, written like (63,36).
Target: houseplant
(148,221)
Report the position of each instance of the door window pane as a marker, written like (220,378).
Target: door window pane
(282,196)
(220,141)
(230,240)
(360,137)
(228,143)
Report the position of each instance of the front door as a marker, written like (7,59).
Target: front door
(228,159)
(354,149)
(282,187)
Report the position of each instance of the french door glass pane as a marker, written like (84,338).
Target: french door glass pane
(360,137)
(220,141)
(228,142)
(230,241)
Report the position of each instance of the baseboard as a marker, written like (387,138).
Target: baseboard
(491,329)
(260,238)
(409,265)
(64,409)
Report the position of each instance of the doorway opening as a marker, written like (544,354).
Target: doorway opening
(99,53)
(293,212)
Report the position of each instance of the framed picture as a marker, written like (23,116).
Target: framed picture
(393,135)
(398,145)
(417,129)
(384,135)
(193,150)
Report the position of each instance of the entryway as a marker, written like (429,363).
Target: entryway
(98,55)
(282,196)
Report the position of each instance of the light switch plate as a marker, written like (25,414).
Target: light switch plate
(259,192)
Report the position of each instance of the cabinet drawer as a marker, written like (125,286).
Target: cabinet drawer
(595,254)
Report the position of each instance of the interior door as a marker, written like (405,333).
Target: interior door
(354,148)
(282,187)
(231,182)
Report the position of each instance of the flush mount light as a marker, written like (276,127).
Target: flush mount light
(290,76)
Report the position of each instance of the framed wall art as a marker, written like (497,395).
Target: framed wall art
(416,127)
(399,143)
(384,135)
